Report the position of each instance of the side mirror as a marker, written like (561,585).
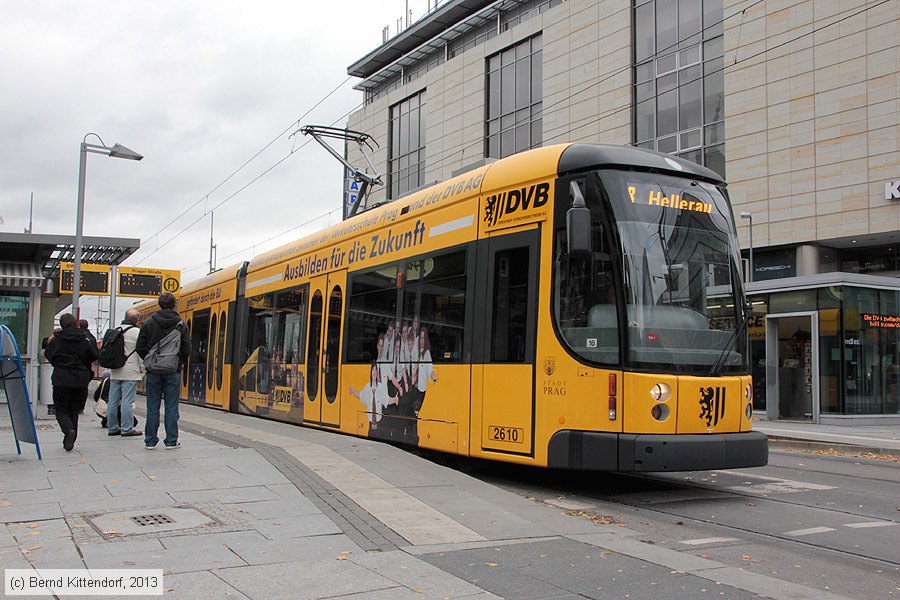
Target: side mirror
(578,222)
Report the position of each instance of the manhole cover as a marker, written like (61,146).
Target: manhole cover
(142,522)
(145,520)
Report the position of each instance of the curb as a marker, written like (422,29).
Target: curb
(786,443)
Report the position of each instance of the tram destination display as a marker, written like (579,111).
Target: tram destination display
(147,283)
(133,284)
(94,279)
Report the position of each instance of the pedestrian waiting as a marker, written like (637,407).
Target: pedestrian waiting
(164,346)
(119,354)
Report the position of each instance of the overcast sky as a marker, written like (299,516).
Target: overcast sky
(198,88)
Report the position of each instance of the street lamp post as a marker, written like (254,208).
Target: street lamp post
(116,151)
(747,215)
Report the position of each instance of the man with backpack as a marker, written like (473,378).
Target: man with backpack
(164,346)
(118,354)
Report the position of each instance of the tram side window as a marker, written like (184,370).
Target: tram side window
(371,314)
(290,313)
(199,338)
(434,305)
(276,336)
(259,340)
(509,320)
(585,297)
(261,326)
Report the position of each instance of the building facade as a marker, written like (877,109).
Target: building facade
(795,103)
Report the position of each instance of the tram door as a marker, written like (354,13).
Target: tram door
(217,384)
(323,352)
(507,396)
(194,375)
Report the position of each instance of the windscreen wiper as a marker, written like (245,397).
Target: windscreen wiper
(720,362)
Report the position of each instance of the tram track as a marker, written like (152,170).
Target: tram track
(752,533)
(541,488)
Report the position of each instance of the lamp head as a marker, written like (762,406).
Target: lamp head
(120,151)
(746,215)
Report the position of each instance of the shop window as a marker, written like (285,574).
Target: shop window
(756,329)
(14,314)
(863,392)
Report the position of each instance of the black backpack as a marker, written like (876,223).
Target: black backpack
(112,352)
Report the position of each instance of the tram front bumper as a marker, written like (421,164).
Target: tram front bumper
(600,451)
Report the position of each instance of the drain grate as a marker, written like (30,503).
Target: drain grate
(145,520)
(150,520)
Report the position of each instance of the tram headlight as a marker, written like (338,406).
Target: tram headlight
(660,392)
(748,391)
(748,412)
(660,412)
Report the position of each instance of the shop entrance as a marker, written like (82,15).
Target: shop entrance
(792,366)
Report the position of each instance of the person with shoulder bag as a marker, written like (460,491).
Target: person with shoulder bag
(71,355)
(119,354)
(164,345)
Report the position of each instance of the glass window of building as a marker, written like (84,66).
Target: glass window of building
(14,314)
(406,164)
(884,260)
(679,79)
(514,99)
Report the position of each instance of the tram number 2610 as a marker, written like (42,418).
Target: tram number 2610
(506,434)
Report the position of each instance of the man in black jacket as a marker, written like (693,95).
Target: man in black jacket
(71,355)
(162,384)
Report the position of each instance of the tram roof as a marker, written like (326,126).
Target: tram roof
(536,163)
(214,278)
(582,157)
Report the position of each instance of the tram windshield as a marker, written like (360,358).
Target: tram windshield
(676,277)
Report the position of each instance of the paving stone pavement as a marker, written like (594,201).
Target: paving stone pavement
(249,508)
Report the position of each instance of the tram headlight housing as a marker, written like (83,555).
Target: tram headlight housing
(748,396)
(660,392)
(660,412)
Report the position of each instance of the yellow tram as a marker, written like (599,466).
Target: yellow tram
(577,306)
(208,306)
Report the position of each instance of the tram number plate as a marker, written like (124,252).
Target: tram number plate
(515,435)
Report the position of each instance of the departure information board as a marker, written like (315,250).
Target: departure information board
(147,283)
(94,280)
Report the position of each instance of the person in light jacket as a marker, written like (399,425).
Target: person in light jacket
(123,381)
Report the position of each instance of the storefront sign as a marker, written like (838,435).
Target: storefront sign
(881,321)
(892,190)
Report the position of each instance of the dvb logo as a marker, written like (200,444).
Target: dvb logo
(500,205)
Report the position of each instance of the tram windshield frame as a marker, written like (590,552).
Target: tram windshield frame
(660,289)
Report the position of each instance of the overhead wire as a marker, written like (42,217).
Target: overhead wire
(206,196)
(293,151)
(265,241)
